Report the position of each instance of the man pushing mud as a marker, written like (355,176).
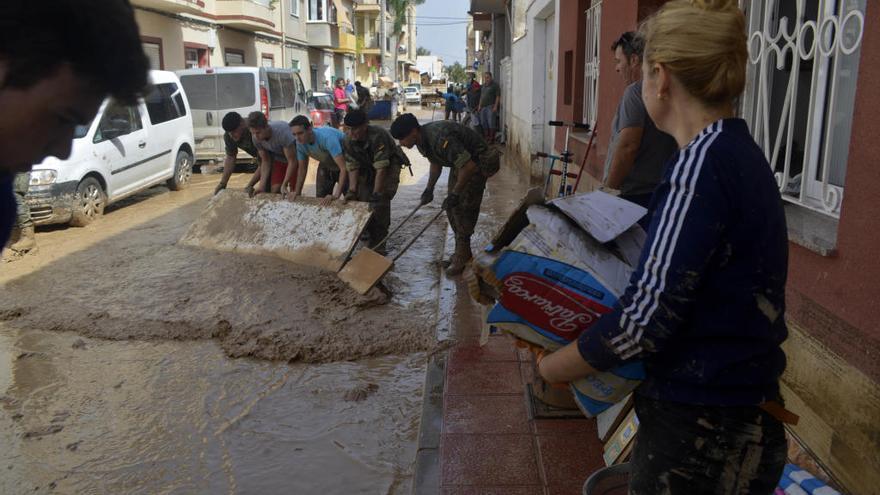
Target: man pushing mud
(471,163)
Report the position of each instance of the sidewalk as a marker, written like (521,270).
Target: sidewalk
(477,436)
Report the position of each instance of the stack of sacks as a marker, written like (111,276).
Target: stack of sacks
(561,273)
(796,481)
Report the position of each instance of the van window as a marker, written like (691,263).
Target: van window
(288,89)
(164,103)
(236,90)
(276,93)
(201,91)
(219,91)
(118,120)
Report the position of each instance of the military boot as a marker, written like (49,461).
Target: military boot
(23,239)
(461,257)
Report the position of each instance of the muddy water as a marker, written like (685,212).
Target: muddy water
(144,414)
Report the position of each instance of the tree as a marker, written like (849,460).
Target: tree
(456,73)
(420,51)
(399,8)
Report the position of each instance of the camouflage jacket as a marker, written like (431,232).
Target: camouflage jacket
(451,144)
(377,151)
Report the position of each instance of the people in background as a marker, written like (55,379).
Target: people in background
(451,103)
(705,308)
(490,99)
(638,151)
(365,100)
(340,100)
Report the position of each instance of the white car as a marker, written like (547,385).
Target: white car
(412,95)
(125,149)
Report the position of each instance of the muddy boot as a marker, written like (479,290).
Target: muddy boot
(461,257)
(23,240)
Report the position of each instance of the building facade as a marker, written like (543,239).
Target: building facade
(314,37)
(811,106)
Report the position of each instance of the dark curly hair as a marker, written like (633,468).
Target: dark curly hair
(98,38)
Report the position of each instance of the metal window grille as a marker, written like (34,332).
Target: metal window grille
(800,93)
(591,66)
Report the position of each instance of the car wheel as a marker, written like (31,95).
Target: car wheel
(183,170)
(90,202)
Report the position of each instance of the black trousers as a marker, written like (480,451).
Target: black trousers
(696,450)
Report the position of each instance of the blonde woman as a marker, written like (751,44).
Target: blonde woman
(705,308)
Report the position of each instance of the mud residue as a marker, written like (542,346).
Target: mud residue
(140,284)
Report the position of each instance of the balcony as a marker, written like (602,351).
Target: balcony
(482,22)
(322,34)
(248,15)
(368,45)
(347,43)
(172,6)
(367,6)
(488,6)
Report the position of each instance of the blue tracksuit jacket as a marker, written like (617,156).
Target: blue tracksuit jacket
(705,307)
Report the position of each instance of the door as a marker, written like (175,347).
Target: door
(550,81)
(165,110)
(120,144)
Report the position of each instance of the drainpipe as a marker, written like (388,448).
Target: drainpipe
(283,36)
(382,34)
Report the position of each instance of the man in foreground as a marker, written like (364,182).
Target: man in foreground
(236,137)
(373,161)
(324,144)
(58,60)
(471,163)
(277,150)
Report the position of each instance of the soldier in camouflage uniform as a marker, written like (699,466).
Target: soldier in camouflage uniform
(22,239)
(373,161)
(471,162)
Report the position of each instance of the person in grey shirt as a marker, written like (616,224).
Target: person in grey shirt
(276,147)
(638,151)
(490,98)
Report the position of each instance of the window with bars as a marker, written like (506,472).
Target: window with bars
(800,93)
(591,65)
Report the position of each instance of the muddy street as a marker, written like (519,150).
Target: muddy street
(129,363)
(115,373)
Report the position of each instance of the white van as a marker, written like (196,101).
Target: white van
(125,149)
(213,92)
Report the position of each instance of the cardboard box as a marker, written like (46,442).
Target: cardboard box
(562,272)
(621,439)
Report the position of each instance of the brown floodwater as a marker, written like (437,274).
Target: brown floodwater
(115,368)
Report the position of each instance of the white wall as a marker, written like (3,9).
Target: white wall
(526,116)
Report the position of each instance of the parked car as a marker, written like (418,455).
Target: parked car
(321,110)
(125,149)
(412,95)
(213,92)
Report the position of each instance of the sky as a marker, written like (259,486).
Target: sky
(442,27)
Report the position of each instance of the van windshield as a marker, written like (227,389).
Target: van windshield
(219,91)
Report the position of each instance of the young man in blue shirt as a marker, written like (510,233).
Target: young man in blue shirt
(58,61)
(324,144)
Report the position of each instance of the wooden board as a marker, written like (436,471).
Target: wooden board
(303,231)
(621,439)
(608,421)
(365,270)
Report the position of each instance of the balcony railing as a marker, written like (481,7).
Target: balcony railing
(172,6)
(251,15)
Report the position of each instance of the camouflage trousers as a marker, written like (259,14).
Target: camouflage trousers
(326,179)
(377,228)
(463,218)
(20,186)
